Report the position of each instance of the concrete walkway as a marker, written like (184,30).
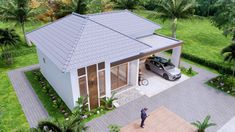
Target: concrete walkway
(31,105)
(192,100)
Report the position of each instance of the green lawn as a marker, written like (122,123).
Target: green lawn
(13,117)
(200,37)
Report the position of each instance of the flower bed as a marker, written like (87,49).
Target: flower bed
(50,99)
(224,83)
(53,103)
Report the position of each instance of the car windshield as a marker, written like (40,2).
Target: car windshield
(167,65)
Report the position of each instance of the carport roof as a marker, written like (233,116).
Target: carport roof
(159,42)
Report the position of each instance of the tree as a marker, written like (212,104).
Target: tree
(205,7)
(202,126)
(8,39)
(175,9)
(126,4)
(78,6)
(229,53)
(97,6)
(224,18)
(19,11)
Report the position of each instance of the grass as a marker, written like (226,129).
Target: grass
(200,37)
(45,99)
(13,118)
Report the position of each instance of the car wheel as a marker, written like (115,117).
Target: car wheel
(165,76)
(147,67)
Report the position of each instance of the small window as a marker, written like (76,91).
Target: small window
(101,66)
(81,71)
(44,60)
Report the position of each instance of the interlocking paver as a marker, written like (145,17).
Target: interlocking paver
(192,100)
(31,105)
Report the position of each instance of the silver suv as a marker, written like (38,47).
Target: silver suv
(163,67)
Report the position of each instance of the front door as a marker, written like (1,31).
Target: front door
(92,86)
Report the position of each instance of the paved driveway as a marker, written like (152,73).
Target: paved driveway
(192,100)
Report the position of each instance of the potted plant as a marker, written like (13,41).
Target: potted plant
(202,126)
(114,128)
(109,101)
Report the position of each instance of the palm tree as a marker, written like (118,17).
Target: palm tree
(175,9)
(73,124)
(229,53)
(19,11)
(205,124)
(8,39)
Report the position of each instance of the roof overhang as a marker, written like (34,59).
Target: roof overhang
(157,42)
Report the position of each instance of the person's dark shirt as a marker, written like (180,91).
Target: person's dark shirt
(143,114)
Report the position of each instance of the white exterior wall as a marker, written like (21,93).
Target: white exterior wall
(61,82)
(133,72)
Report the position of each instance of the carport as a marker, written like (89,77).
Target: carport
(161,43)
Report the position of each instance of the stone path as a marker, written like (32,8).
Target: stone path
(192,100)
(31,105)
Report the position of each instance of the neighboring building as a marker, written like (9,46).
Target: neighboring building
(96,54)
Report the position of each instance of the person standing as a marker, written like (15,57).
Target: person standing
(143,116)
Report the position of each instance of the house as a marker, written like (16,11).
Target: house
(96,54)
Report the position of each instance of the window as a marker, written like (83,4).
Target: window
(81,71)
(119,75)
(102,83)
(83,86)
(101,66)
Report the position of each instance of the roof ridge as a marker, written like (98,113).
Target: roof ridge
(49,24)
(119,32)
(143,18)
(107,12)
(74,47)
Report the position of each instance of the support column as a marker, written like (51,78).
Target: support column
(107,79)
(75,86)
(133,72)
(175,58)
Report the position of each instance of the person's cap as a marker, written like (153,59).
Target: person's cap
(145,108)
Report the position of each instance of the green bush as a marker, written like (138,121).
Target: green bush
(224,83)
(220,68)
(114,128)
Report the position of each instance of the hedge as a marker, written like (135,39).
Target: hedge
(220,68)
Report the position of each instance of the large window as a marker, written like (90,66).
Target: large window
(119,75)
(82,82)
(83,86)
(101,75)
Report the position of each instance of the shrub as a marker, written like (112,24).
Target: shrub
(114,128)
